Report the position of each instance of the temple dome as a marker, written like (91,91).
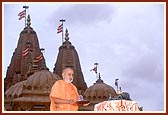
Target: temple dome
(99,91)
(40,82)
(36,90)
(15,90)
(43,80)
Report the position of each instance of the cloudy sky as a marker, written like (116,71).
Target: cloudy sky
(126,39)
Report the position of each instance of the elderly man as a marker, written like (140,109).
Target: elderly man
(64,94)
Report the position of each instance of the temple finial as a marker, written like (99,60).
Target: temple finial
(99,76)
(28,21)
(99,80)
(66,35)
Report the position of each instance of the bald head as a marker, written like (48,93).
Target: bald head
(67,69)
(67,74)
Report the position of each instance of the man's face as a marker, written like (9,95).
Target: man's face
(68,75)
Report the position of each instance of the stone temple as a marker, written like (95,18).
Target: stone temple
(28,81)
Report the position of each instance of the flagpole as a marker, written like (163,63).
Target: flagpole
(62,20)
(25,17)
(116,83)
(96,64)
(25,7)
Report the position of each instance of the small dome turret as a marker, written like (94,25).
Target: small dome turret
(99,91)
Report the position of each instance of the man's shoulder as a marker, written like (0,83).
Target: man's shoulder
(73,85)
(59,81)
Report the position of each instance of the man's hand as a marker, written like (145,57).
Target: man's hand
(64,101)
(72,101)
(86,104)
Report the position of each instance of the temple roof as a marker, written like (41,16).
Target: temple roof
(26,51)
(15,90)
(40,82)
(68,57)
(99,90)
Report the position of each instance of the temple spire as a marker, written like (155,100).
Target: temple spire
(22,59)
(68,57)
(28,21)
(66,35)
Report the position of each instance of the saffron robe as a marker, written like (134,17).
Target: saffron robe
(63,90)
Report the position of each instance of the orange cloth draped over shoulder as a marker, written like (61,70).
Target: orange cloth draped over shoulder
(63,90)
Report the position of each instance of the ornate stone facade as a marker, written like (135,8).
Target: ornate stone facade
(23,56)
(68,56)
(28,81)
(31,94)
